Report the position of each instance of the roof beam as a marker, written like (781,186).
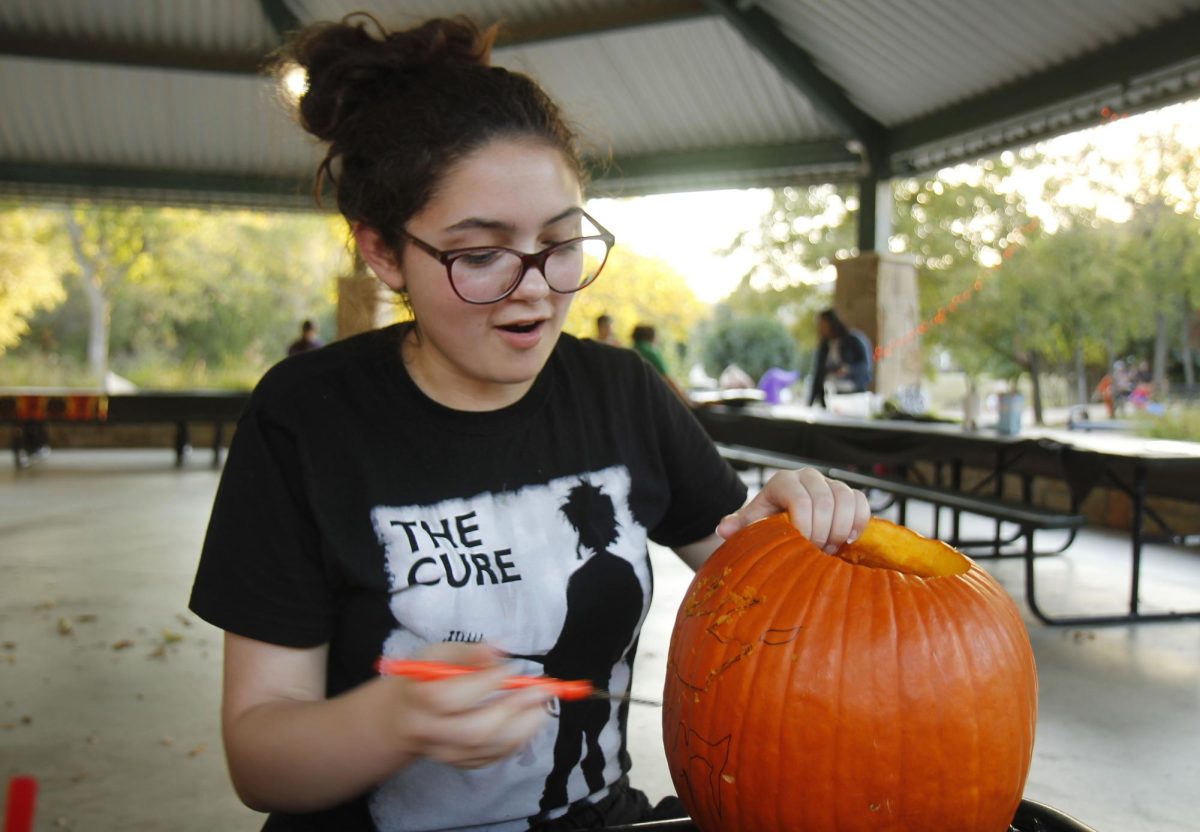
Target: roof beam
(733,159)
(1113,66)
(757,166)
(90,50)
(80,180)
(739,167)
(283,20)
(598,22)
(762,32)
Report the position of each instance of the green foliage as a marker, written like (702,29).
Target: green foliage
(1179,423)
(753,343)
(1011,288)
(30,271)
(39,368)
(806,229)
(1053,295)
(634,289)
(186,297)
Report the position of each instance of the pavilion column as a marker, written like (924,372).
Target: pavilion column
(877,293)
(363,301)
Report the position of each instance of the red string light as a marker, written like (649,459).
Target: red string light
(885,351)
(1108,115)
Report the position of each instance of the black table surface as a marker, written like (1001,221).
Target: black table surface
(1031,817)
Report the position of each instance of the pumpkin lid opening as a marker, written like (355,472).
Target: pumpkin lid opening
(884,545)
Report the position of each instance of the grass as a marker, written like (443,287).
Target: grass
(1180,422)
(147,372)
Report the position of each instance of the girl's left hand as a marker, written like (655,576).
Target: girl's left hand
(827,512)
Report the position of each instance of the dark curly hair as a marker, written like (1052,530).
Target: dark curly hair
(398,109)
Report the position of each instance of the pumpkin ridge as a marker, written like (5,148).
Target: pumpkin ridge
(772,566)
(823,599)
(937,785)
(803,565)
(1010,650)
(964,659)
(840,652)
(1005,650)
(893,748)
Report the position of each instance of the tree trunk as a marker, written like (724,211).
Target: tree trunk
(1160,350)
(1035,379)
(1081,384)
(99,309)
(1185,346)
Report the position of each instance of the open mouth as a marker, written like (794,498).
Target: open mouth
(522,328)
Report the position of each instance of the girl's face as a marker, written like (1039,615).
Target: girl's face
(509,193)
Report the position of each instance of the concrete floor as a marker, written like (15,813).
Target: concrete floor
(109,688)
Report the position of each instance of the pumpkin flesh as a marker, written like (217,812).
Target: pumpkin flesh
(891,687)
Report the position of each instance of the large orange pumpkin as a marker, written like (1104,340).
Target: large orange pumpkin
(889,687)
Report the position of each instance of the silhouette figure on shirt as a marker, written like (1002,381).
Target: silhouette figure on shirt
(604,605)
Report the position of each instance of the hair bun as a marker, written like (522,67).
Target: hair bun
(450,41)
(347,66)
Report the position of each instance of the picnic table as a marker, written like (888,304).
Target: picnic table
(1139,468)
(32,409)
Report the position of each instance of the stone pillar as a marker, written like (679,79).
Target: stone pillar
(877,293)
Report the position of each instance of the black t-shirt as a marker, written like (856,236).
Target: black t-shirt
(356,511)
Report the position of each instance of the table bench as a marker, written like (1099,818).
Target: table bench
(1028,519)
(31,411)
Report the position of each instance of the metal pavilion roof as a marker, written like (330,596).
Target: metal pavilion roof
(163,100)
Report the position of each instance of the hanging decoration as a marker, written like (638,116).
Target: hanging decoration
(885,351)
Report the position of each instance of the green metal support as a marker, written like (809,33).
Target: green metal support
(283,20)
(762,32)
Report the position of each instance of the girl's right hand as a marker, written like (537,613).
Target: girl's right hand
(466,721)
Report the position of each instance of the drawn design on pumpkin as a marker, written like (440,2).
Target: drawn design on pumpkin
(740,603)
(777,636)
(773,637)
(711,755)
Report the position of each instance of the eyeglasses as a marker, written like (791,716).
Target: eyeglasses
(489,274)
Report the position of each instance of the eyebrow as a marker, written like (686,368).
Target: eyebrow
(471,223)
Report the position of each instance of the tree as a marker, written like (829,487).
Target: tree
(108,243)
(756,344)
(957,225)
(233,286)
(30,271)
(635,289)
(805,230)
(176,296)
(1162,247)
(1050,306)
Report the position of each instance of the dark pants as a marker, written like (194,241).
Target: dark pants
(623,805)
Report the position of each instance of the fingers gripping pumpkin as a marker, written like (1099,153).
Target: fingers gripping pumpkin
(889,687)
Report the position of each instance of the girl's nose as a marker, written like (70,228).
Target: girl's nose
(532,286)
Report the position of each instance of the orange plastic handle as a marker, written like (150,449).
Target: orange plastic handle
(433,671)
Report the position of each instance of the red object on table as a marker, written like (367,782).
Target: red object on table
(22,797)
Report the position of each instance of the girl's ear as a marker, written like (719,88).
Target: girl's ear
(378,255)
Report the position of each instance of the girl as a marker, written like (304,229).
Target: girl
(471,487)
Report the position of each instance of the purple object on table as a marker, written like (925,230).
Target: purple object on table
(774,381)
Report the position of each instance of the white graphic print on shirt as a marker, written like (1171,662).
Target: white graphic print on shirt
(556,574)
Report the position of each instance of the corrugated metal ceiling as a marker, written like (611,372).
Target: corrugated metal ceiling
(160,99)
(899,61)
